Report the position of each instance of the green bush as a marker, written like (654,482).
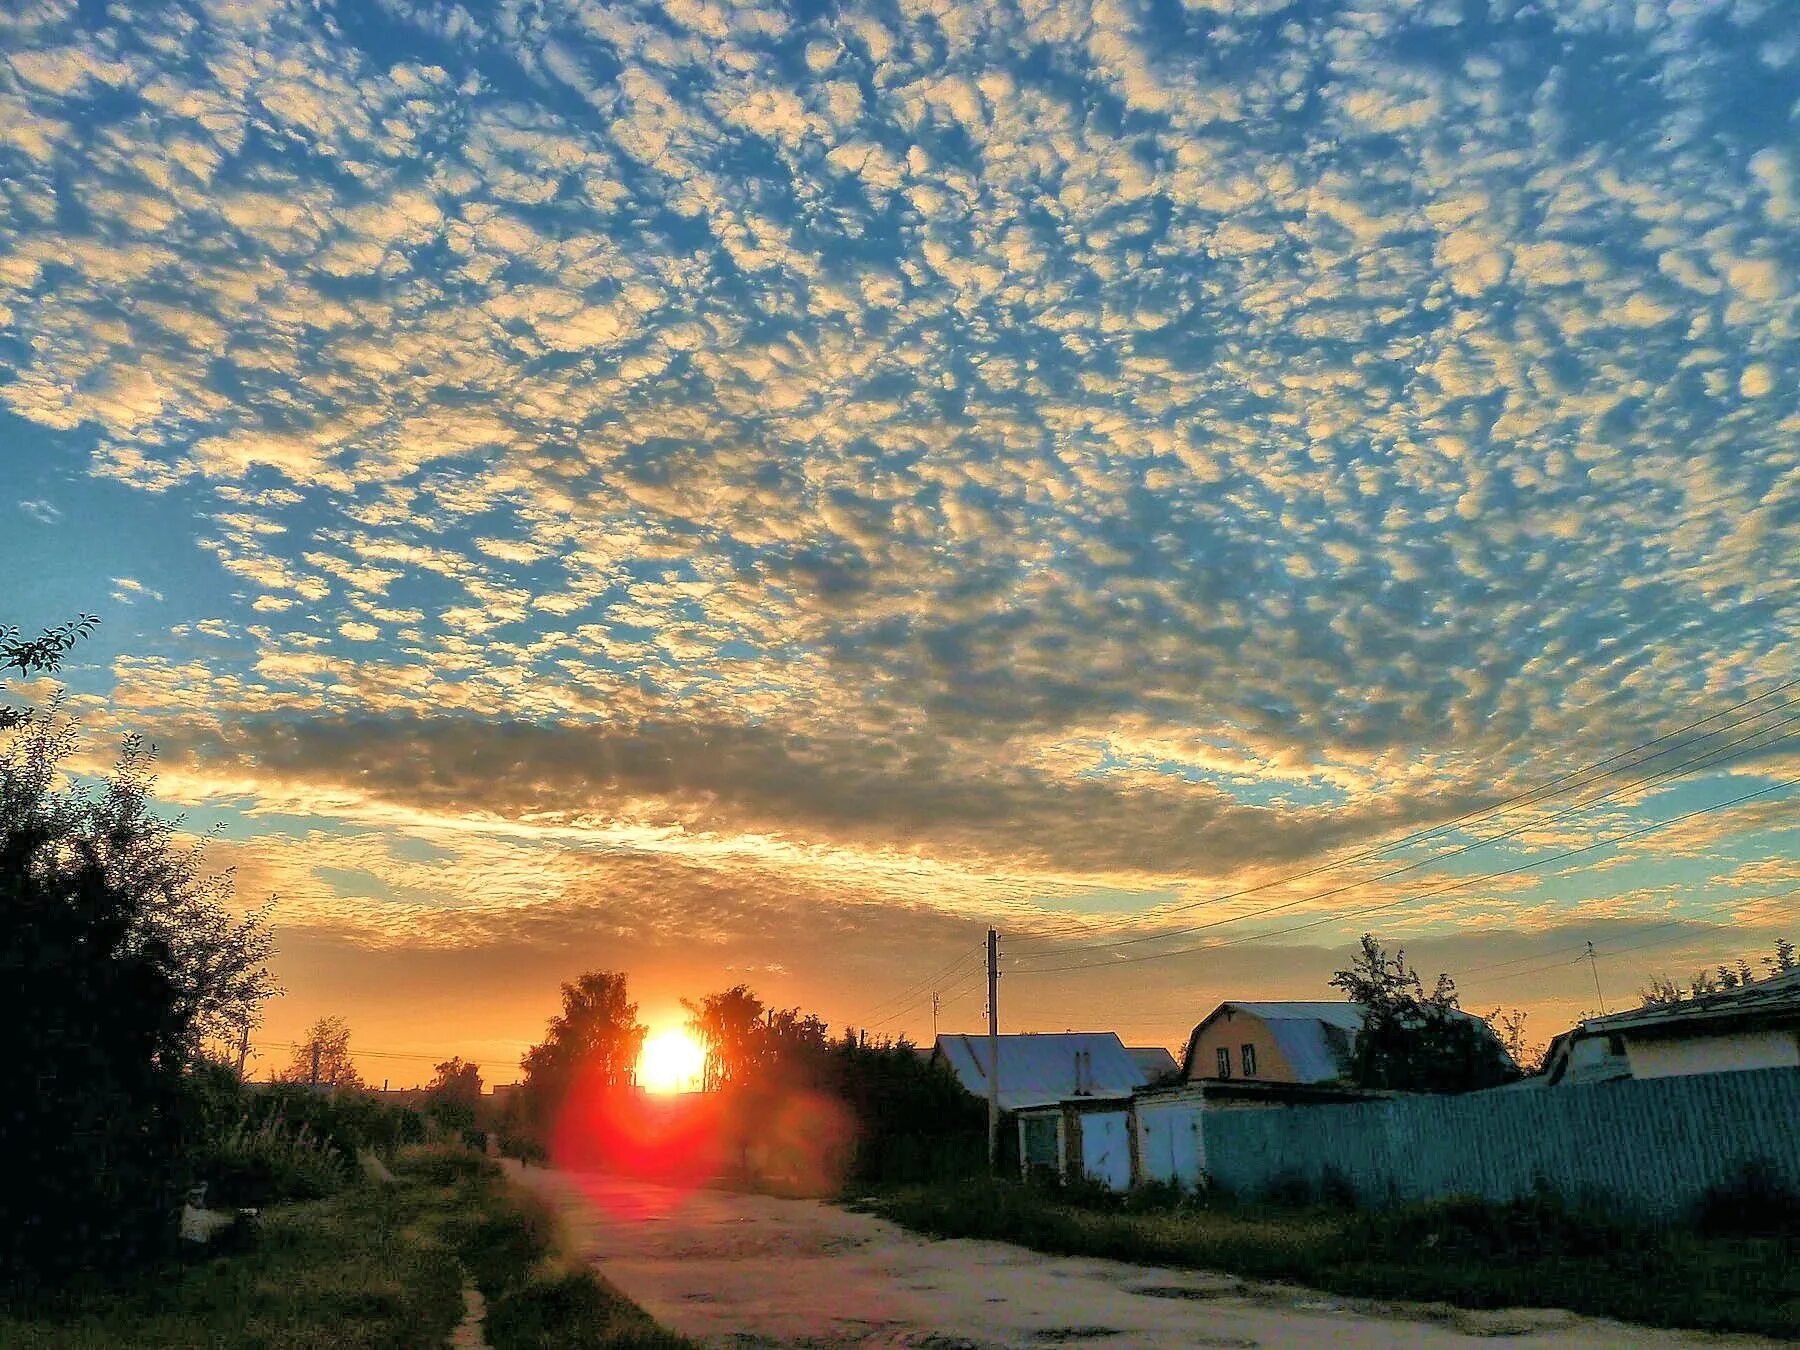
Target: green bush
(1757,1202)
(255,1165)
(572,1310)
(443,1164)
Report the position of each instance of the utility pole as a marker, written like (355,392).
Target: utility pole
(1595,967)
(935,1001)
(243,1049)
(993,967)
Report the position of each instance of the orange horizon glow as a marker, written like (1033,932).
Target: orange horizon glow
(670,1062)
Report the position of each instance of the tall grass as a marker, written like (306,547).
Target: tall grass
(257,1163)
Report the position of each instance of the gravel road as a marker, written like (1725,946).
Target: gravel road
(751,1270)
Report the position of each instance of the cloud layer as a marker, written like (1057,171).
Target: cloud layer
(1059,447)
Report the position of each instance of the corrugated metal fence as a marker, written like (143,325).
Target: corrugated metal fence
(1652,1146)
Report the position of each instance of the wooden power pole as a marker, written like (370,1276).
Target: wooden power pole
(993,972)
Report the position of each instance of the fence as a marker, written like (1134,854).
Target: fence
(1651,1146)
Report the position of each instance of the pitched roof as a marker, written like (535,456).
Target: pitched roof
(1154,1060)
(1036,1070)
(1571,1058)
(1310,1036)
(1313,1036)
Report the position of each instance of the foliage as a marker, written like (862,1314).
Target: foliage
(369,1268)
(596,1039)
(746,1042)
(323,1057)
(454,1093)
(1662,991)
(38,656)
(1757,1202)
(1539,1251)
(573,1309)
(121,958)
(1412,1041)
(258,1164)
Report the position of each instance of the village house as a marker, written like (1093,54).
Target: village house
(1304,1042)
(1754,1026)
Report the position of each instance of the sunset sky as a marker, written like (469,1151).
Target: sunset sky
(742,493)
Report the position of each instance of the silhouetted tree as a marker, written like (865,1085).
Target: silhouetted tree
(117,958)
(1663,991)
(37,656)
(1412,1041)
(454,1093)
(597,1037)
(328,1039)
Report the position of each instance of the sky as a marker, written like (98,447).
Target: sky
(748,493)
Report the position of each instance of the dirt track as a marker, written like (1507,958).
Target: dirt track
(743,1270)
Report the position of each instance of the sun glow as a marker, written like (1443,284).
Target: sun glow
(670,1062)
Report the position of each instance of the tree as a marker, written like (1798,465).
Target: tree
(324,1057)
(1412,1041)
(37,656)
(595,1041)
(1663,991)
(118,958)
(454,1093)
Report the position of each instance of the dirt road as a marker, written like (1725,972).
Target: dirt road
(745,1271)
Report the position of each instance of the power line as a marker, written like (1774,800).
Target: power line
(1501,807)
(1457,884)
(913,993)
(1708,759)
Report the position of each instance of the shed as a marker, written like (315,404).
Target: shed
(1038,1070)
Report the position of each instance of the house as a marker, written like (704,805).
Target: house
(1273,1042)
(1754,1026)
(1068,1090)
(1303,1042)
(1036,1070)
(1156,1062)
(1158,1134)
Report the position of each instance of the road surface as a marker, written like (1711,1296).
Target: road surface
(749,1271)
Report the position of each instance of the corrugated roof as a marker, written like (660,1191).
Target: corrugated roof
(1314,1037)
(1038,1070)
(1154,1060)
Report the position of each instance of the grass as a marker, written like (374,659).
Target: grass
(377,1265)
(1536,1252)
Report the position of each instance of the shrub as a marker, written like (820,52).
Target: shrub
(572,1309)
(260,1164)
(1531,1227)
(443,1164)
(1757,1202)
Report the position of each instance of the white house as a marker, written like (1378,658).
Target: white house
(1755,1026)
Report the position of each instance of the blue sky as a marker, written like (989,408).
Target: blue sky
(661,483)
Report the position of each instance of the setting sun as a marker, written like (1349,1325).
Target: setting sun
(670,1062)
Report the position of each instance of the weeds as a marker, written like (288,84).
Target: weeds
(1540,1250)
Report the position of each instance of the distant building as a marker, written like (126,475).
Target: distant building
(1303,1042)
(1755,1026)
(1274,1042)
(1156,1062)
(1036,1070)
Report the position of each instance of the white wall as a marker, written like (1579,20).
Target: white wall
(1106,1148)
(1713,1054)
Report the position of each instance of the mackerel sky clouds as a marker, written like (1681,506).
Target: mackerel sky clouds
(756,492)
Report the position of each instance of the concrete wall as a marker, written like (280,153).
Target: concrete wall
(1649,1146)
(1234,1032)
(1713,1054)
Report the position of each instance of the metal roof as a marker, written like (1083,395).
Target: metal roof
(1036,1070)
(1154,1060)
(1581,1053)
(1313,1036)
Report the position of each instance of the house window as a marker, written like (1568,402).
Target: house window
(1247,1057)
(1224,1061)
